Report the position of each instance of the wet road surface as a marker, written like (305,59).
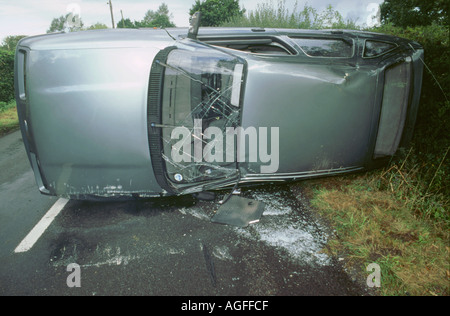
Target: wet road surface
(165,246)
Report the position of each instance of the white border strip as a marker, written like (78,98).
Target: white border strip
(40,227)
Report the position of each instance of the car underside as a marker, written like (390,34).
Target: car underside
(145,113)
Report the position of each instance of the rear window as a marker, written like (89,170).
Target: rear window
(323,47)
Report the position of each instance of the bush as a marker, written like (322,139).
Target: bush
(270,15)
(6,76)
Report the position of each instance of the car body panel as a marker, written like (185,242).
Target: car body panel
(307,90)
(84,103)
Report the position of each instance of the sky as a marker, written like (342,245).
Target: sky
(33,17)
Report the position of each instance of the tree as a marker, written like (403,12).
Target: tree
(217,12)
(57,24)
(331,18)
(405,13)
(159,18)
(126,24)
(10,42)
(97,26)
(67,23)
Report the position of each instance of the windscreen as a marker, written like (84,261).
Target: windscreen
(201,98)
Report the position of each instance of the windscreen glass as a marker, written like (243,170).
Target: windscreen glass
(201,98)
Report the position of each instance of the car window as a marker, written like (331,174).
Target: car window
(375,48)
(262,45)
(324,47)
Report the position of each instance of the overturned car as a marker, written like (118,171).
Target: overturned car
(146,113)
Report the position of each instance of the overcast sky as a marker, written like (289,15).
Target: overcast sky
(32,17)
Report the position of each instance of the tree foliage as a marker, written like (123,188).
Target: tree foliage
(126,24)
(6,76)
(159,18)
(10,42)
(217,12)
(66,23)
(404,13)
(98,26)
(72,23)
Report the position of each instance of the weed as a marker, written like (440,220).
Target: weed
(9,120)
(389,217)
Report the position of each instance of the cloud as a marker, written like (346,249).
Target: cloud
(25,17)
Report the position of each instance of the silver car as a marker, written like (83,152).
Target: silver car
(147,113)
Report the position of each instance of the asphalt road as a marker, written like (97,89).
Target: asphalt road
(160,246)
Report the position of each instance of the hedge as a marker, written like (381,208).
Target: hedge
(6,76)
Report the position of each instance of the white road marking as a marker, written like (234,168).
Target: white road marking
(40,227)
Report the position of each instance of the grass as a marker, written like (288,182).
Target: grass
(393,218)
(9,120)
(278,15)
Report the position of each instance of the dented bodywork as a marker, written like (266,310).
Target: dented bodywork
(143,113)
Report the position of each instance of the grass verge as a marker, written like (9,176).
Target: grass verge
(9,120)
(389,217)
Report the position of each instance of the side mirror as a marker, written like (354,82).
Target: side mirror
(194,25)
